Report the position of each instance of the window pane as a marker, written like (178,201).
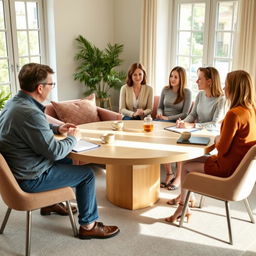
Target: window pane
(23,61)
(34,42)
(35,59)
(183,62)
(22,43)
(225,16)
(20,15)
(5,88)
(32,15)
(185,16)
(223,44)
(184,43)
(198,17)
(223,68)
(2,23)
(3,50)
(4,72)
(197,44)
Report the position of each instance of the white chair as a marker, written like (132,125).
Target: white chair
(15,198)
(237,187)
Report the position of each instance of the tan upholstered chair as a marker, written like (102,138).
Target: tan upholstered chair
(237,187)
(17,199)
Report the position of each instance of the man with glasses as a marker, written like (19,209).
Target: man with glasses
(37,159)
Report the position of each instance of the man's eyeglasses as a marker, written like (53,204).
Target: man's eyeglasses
(51,84)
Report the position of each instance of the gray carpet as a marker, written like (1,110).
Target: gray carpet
(143,232)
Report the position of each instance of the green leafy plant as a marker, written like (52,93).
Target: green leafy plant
(96,68)
(3,98)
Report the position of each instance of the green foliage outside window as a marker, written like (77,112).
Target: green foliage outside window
(4,96)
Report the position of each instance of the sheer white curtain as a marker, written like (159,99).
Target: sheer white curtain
(148,40)
(245,50)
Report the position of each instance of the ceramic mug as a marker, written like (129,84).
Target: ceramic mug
(186,135)
(107,138)
(117,125)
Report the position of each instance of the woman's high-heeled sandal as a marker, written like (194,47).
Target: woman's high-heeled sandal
(169,181)
(177,215)
(175,201)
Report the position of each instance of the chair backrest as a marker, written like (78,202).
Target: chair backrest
(155,106)
(10,190)
(241,182)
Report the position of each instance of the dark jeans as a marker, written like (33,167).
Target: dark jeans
(131,118)
(61,175)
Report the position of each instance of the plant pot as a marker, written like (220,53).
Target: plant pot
(104,103)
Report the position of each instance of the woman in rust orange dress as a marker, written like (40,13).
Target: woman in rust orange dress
(237,136)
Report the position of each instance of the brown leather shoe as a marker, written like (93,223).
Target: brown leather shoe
(98,231)
(59,208)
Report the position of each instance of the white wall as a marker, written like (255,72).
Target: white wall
(127,28)
(100,21)
(91,18)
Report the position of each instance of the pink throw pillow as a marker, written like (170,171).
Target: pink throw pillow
(77,112)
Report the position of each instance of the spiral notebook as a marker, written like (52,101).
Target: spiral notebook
(194,140)
(83,145)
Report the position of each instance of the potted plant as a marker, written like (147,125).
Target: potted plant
(96,68)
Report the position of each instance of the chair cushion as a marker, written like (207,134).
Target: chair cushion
(77,112)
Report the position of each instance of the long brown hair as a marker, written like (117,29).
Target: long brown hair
(241,91)
(182,84)
(213,74)
(131,70)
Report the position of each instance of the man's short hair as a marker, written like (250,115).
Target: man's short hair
(32,74)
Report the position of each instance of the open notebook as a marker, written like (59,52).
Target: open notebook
(194,140)
(180,130)
(83,145)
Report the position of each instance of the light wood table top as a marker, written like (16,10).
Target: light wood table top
(133,160)
(134,145)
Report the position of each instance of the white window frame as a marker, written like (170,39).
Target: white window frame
(12,43)
(209,31)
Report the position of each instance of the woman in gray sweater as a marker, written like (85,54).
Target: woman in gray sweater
(207,111)
(175,102)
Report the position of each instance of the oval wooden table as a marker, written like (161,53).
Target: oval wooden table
(133,160)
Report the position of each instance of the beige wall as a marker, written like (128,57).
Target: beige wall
(100,21)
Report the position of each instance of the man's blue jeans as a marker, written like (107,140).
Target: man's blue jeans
(61,175)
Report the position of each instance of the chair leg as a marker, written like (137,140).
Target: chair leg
(6,217)
(28,235)
(71,217)
(229,222)
(201,201)
(184,209)
(249,210)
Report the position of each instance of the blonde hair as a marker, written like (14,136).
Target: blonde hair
(213,74)
(182,84)
(241,91)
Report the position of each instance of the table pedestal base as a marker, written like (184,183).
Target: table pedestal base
(133,186)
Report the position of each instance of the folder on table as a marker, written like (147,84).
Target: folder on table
(83,145)
(194,140)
